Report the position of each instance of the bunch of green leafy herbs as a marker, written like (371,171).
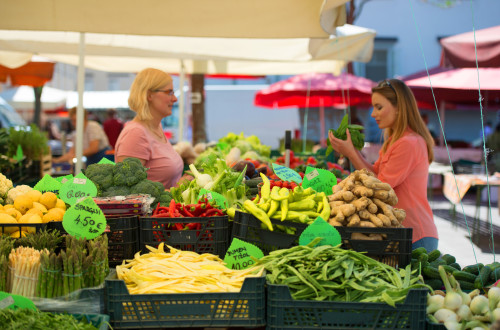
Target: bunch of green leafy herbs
(357,138)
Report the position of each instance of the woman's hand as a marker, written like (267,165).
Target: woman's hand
(343,147)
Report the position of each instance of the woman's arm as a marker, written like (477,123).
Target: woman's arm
(67,157)
(92,149)
(346,148)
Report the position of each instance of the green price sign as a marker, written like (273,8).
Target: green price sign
(319,179)
(77,188)
(222,146)
(64,179)
(48,183)
(213,196)
(104,160)
(84,219)
(320,228)
(19,154)
(286,174)
(240,253)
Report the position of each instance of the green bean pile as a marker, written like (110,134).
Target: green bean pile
(35,320)
(334,274)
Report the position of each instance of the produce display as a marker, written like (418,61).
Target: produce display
(362,200)
(460,310)
(180,272)
(17,319)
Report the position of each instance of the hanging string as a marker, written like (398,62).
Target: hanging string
(441,125)
(306,114)
(484,139)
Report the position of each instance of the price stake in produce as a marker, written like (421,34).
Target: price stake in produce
(84,219)
(240,253)
(213,196)
(77,188)
(64,179)
(320,228)
(319,179)
(19,154)
(48,183)
(104,160)
(286,174)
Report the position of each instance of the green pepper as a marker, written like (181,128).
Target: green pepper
(265,190)
(258,213)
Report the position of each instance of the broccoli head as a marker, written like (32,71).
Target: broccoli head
(116,191)
(128,172)
(147,187)
(101,175)
(165,198)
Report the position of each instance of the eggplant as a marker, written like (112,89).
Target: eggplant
(240,166)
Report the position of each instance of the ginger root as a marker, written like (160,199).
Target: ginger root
(342,195)
(353,220)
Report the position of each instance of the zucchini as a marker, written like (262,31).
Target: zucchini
(464,285)
(464,276)
(483,277)
(434,255)
(449,259)
(456,266)
(437,263)
(434,283)
(473,269)
(431,272)
(495,275)
(417,252)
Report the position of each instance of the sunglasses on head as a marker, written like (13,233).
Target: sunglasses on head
(388,83)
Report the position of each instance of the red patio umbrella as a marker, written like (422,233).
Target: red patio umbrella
(317,90)
(459,52)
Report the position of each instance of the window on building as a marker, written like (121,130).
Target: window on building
(381,65)
(89,82)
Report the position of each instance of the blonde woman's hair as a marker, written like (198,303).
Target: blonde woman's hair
(401,97)
(144,83)
(72,112)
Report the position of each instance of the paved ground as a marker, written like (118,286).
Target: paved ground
(458,231)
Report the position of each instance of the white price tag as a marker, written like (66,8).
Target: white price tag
(209,196)
(6,302)
(312,175)
(64,180)
(80,181)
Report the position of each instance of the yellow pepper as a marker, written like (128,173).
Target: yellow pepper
(279,194)
(273,208)
(325,213)
(258,213)
(265,190)
(284,202)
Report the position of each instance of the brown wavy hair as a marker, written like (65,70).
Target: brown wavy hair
(401,97)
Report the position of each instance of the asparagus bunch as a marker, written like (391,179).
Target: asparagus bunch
(6,245)
(25,266)
(50,278)
(96,263)
(73,264)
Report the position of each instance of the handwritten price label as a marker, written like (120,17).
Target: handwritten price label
(77,188)
(84,219)
(48,183)
(240,253)
(212,197)
(319,179)
(286,174)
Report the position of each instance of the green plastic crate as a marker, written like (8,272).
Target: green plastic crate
(218,309)
(283,312)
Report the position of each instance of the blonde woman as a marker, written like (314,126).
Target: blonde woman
(152,99)
(404,157)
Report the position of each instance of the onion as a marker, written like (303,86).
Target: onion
(479,305)
(464,313)
(434,303)
(443,315)
(496,314)
(453,300)
(494,297)
(452,325)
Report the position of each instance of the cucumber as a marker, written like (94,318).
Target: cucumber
(494,265)
(437,263)
(464,276)
(415,264)
(449,269)
(464,285)
(449,259)
(473,269)
(483,277)
(431,272)
(417,252)
(252,183)
(456,266)
(495,275)
(434,255)
(434,283)
(423,258)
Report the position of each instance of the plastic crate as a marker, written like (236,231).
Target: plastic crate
(8,228)
(434,326)
(123,237)
(237,309)
(248,228)
(283,312)
(394,251)
(211,238)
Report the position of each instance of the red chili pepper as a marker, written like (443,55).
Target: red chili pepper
(186,213)
(178,226)
(171,207)
(192,225)
(156,209)
(212,212)
(163,215)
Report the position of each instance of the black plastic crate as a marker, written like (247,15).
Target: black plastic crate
(123,237)
(283,312)
(434,326)
(394,250)
(218,309)
(248,228)
(211,238)
(7,228)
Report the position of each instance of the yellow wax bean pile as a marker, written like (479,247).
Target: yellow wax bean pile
(181,272)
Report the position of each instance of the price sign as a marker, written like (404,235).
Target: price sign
(319,179)
(320,228)
(64,179)
(14,301)
(48,183)
(221,146)
(240,253)
(84,219)
(77,188)
(19,154)
(104,160)
(286,174)
(213,196)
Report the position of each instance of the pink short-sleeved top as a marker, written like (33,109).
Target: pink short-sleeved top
(164,164)
(405,166)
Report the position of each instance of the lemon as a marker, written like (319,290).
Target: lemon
(8,206)
(34,195)
(13,213)
(23,203)
(39,206)
(60,204)
(34,210)
(1,207)
(18,234)
(54,214)
(48,199)
(30,218)
(5,218)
